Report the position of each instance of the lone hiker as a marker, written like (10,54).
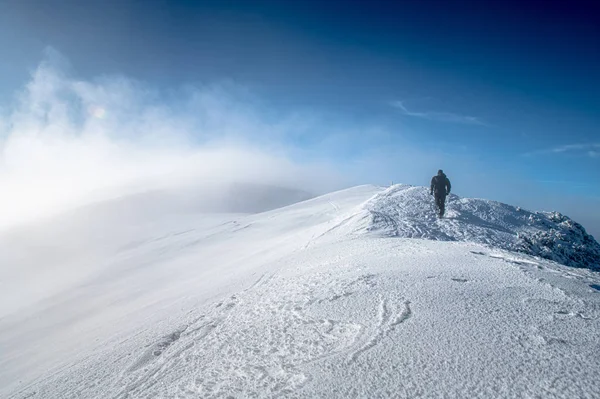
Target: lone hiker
(440,188)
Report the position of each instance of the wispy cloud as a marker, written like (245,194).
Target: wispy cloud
(591,150)
(439,116)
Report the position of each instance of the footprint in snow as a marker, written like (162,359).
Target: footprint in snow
(229,305)
(156,350)
(460,280)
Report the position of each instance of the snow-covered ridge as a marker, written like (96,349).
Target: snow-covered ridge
(408,211)
(313,300)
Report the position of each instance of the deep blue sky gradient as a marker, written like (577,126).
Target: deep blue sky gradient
(528,71)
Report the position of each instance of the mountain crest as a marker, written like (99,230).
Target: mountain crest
(408,211)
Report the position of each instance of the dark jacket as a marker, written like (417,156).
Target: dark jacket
(440,185)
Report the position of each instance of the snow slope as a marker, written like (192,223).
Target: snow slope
(360,293)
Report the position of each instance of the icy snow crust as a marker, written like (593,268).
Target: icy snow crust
(312,300)
(406,211)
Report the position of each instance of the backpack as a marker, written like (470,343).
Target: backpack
(439,184)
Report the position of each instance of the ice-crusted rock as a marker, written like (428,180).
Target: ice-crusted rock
(565,241)
(408,211)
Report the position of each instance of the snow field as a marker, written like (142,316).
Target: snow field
(354,294)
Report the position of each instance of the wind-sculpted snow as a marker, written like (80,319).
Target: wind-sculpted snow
(315,300)
(407,211)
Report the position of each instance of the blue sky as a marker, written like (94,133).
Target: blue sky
(505,97)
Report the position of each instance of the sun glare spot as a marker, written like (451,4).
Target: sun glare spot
(97,111)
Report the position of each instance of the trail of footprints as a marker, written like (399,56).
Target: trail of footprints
(262,345)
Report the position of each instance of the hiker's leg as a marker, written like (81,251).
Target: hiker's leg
(439,202)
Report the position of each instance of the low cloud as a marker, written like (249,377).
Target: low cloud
(66,142)
(439,116)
